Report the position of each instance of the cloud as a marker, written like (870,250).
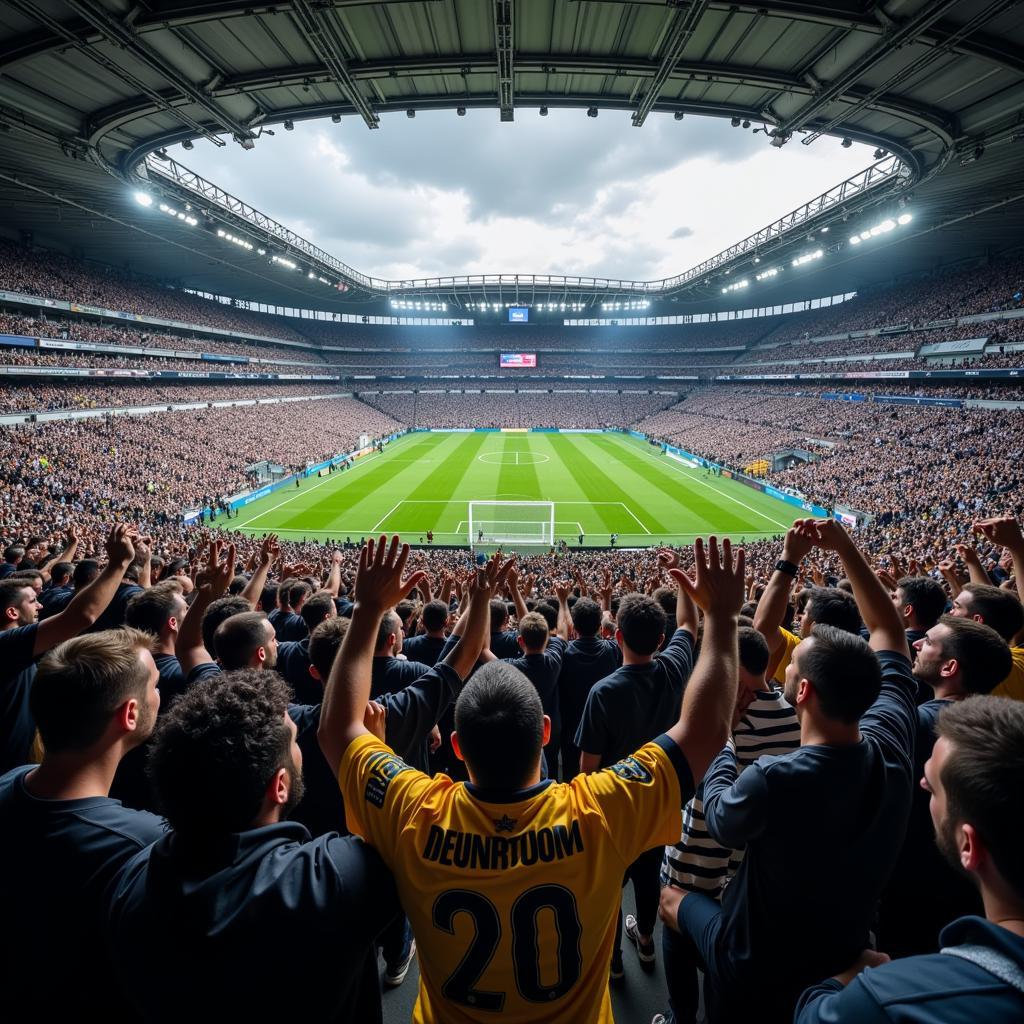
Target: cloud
(565,194)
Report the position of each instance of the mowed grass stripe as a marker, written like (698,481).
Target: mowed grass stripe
(760,512)
(365,498)
(703,512)
(599,486)
(518,478)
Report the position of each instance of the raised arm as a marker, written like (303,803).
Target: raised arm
(517,597)
(211,582)
(270,551)
(66,555)
(1005,530)
(474,624)
(334,576)
(563,626)
(710,695)
(380,584)
(880,615)
(975,570)
(771,609)
(90,602)
(686,611)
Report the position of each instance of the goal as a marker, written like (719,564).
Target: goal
(511,522)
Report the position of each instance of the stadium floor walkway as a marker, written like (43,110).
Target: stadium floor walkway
(642,996)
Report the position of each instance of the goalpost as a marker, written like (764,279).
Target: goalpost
(512,522)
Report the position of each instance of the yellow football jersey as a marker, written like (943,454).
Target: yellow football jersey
(1013,684)
(789,642)
(513,900)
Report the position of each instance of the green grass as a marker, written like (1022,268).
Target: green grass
(600,483)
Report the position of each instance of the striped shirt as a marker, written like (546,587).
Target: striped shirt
(697,863)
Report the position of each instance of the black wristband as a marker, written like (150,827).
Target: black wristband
(787,567)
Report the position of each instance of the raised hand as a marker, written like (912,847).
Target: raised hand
(120,545)
(375,719)
(717,586)
(828,534)
(800,539)
(216,576)
(1002,530)
(668,559)
(381,581)
(562,590)
(270,549)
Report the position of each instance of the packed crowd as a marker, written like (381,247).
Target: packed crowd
(389,754)
(498,408)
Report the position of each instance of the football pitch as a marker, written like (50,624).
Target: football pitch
(599,483)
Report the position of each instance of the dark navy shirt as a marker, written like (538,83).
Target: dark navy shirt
(56,859)
(587,660)
(393,674)
(635,703)
(823,826)
(426,649)
(542,670)
(290,627)
(207,918)
(505,645)
(935,989)
(293,663)
(114,614)
(54,600)
(17,670)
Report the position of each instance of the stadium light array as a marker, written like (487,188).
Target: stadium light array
(808,257)
(181,215)
(234,239)
(616,306)
(881,228)
(143,199)
(432,307)
(283,261)
(771,272)
(736,286)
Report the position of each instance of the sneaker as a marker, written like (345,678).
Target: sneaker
(617,973)
(644,950)
(663,1018)
(394,976)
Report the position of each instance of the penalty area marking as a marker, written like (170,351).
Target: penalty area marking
(513,458)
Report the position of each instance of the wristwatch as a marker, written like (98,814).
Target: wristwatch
(787,567)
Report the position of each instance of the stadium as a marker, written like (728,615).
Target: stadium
(556,291)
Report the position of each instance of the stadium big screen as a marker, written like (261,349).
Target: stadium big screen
(518,360)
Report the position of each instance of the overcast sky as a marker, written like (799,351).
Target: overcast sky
(563,194)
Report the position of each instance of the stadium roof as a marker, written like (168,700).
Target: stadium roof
(90,88)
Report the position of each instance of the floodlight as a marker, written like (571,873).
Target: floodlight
(679,115)
(289,126)
(336,118)
(143,198)
(461,111)
(187,144)
(854,239)
(410,113)
(904,218)
(735,122)
(591,111)
(880,153)
(746,124)
(543,111)
(847,143)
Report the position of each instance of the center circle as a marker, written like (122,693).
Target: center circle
(513,458)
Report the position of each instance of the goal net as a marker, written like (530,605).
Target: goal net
(511,522)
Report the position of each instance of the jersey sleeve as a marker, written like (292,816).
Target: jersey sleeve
(679,653)
(1013,685)
(381,793)
(641,797)
(789,640)
(892,720)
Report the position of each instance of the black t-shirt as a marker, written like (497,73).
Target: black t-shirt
(425,649)
(822,826)
(17,670)
(54,600)
(289,627)
(635,703)
(293,664)
(587,660)
(411,714)
(206,919)
(924,892)
(57,858)
(393,674)
(114,614)
(505,645)
(542,670)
